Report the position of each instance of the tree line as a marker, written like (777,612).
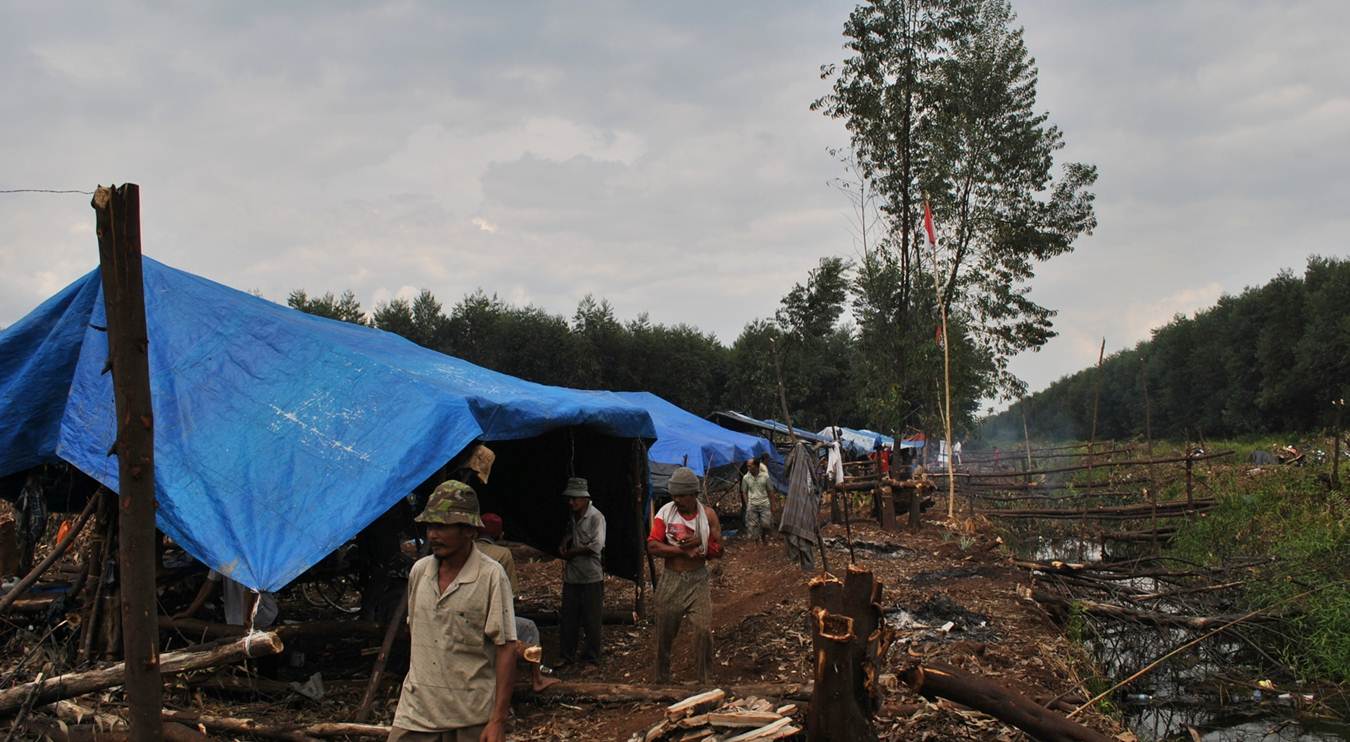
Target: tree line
(1268,360)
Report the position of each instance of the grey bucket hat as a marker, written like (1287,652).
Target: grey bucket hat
(576,487)
(683,482)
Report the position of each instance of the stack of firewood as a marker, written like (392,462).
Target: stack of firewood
(710,717)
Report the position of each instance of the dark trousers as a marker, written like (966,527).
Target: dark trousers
(582,605)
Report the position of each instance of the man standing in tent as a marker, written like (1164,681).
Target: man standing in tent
(687,534)
(462,628)
(583,595)
(802,508)
(757,502)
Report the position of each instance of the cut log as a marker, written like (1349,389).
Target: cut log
(621,693)
(1063,605)
(849,639)
(279,731)
(751,719)
(999,701)
(695,704)
(768,731)
(197,629)
(77,684)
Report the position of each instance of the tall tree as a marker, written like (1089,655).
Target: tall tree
(939,100)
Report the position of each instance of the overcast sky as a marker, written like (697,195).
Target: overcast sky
(660,155)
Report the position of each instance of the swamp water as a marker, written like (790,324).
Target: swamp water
(1189,691)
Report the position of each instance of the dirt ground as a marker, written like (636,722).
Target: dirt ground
(952,596)
(759,632)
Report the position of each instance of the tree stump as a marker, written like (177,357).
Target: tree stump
(850,640)
(887,497)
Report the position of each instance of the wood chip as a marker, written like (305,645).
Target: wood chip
(787,710)
(694,703)
(689,722)
(749,719)
(657,731)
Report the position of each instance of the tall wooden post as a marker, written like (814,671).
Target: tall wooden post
(1336,445)
(1026,438)
(118,220)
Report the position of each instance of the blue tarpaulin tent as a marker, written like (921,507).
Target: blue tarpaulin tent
(278,435)
(685,439)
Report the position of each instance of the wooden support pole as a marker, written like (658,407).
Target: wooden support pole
(382,659)
(77,684)
(1026,437)
(1339,405)
(118,220)
(1190,491)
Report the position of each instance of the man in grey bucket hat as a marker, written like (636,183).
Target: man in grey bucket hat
(583,579)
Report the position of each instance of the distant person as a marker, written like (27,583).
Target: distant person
(686,533)
(583,595)
(757,501)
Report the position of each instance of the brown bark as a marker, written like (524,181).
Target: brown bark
(386,646)
(199,630)
(77,684)
(999,701)
(118,219)
(278,731)
(849,639)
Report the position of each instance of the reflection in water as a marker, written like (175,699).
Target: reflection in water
(1187,690)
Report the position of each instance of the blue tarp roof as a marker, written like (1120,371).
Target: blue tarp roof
(771,425)
(278,435)
(685,439)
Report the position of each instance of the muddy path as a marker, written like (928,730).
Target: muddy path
(952,596)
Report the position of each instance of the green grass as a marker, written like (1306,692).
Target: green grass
(1289,515)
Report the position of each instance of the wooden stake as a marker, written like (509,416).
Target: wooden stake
(118,219)
(1336,446)
(1027,438)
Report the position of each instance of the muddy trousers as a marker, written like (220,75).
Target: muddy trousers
(582,611)
(758,521)
(680,596)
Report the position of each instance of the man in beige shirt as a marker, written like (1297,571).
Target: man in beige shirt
(462,626)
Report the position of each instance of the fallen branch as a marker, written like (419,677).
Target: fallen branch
(198,629)
(1107,610)
(77,684)
(8,598)
(278,731)
(998,701)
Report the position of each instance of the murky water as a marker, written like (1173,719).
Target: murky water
(1187,693)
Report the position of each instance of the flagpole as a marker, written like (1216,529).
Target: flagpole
(946,365)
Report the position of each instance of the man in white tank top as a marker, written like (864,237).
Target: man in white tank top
(686,534)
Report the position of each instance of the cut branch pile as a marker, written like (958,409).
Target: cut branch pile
(710,717)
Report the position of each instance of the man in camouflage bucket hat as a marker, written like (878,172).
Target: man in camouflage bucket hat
(462,626)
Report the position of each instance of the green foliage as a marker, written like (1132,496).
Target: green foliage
(345,308)
(1290,516)
(939,100)
(1268,360)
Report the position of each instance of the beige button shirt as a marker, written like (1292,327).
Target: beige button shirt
(451,680)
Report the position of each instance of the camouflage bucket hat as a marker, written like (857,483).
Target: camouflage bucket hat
(453,502)
(576,487)
(683,482)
